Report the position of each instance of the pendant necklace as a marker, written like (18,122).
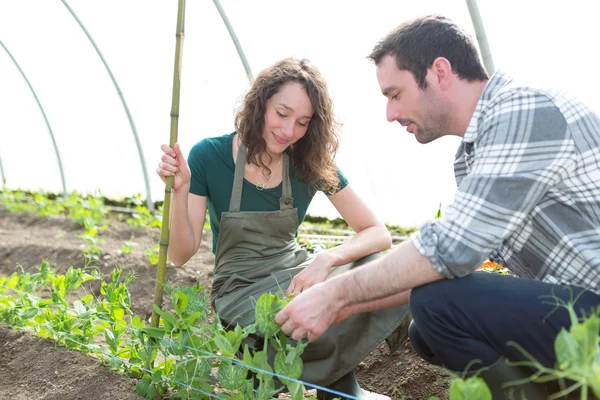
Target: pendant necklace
(260,185)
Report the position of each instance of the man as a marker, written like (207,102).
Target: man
(527,172)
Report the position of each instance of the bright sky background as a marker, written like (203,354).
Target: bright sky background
(544,41)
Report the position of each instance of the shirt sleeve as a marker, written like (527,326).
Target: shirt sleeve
(523,148)
(342,184)
(198,185)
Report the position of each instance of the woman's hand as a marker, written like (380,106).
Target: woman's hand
(315,273)
(173,164)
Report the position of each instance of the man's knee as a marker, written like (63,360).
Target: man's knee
(420,346)
(424,297)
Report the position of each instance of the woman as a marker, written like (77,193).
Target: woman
(257,184)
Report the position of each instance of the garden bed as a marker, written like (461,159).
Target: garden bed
(35,368)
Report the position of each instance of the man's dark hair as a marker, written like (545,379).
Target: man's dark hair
(416,44)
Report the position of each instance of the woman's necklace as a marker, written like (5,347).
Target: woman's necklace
(260,185)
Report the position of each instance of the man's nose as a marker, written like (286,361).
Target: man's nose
(392,113)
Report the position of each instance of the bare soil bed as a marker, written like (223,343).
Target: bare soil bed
(31,368)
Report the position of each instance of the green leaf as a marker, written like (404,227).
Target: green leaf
(266,389)
(118,313)
(167,316)
(157,333)
(32,312)
(566,349)
(247,357)
(296,390)
(260,361)
(438,215)
(224,345)
(265,317)
(595,374)
(147,353)
(145,388)
(180,302)
(136,322)
(79,307)
(231,376)
(288,367)
(472,388)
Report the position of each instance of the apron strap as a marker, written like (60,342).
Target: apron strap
(285,202)
(238,180)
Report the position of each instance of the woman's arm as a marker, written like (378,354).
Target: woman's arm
(371,234)
(188,211)
(371,237)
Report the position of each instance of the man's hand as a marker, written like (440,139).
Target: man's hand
(311,312)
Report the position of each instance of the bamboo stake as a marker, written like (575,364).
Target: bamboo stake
(164,232)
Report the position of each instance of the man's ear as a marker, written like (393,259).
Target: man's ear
(442,70)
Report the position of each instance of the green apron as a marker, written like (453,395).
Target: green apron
(257,252)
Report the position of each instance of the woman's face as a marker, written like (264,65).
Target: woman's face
(287,115)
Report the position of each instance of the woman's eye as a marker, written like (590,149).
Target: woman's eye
(304,125)
(280,114)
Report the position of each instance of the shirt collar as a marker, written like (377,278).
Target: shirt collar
(496,83)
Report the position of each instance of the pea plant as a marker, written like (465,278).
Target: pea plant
(577,352)
(190,355)
(141,216)
(88,212)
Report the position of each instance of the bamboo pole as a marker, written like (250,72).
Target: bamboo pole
(234,38)
(164,232)
(149,202)
(37,100)
(484,46)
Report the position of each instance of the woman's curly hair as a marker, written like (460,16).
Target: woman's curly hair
(314,154)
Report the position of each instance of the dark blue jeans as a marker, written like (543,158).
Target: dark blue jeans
(460,320)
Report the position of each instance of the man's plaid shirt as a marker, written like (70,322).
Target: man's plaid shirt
(528,176)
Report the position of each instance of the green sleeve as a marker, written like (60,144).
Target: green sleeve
(196,159)
(343,181)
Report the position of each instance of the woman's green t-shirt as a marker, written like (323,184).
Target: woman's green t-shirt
(212,167)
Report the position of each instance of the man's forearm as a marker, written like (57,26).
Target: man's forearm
(386,302)
(387,277)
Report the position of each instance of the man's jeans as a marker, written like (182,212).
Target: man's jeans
(473,318)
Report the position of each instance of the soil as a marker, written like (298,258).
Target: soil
(31,368)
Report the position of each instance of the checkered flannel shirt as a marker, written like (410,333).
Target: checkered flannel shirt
(528,176)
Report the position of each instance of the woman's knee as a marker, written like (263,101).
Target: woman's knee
(366,259)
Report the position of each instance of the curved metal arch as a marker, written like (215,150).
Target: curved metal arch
(2,173)
(149,202)
(37,100)
(235,40)
(484,46)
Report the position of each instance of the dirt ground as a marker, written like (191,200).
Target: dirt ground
(31,368)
